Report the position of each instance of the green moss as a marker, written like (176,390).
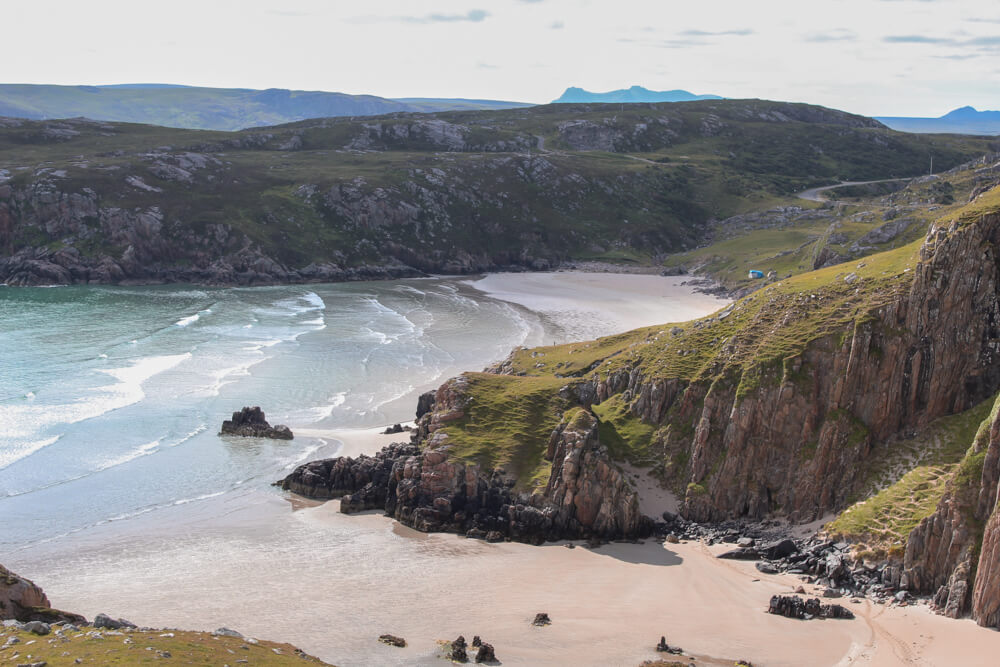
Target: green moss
(627,437)
(694,489)
(940,458)
(184,647)
(507,423)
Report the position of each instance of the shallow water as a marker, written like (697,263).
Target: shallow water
(111,398)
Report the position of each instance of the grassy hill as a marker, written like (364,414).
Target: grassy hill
(450,191)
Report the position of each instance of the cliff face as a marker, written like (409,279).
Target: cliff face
(424,486)
(954,554)
(792,434)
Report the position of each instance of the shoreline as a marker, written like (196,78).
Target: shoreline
(622,597)
(267,564)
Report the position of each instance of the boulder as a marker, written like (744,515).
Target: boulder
(250,422)
(393,640)
(459,652)
(485,653)
(542,618)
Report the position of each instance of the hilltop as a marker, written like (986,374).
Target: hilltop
(208,108)
(400,194)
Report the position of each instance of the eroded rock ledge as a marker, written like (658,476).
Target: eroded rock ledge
(425,487)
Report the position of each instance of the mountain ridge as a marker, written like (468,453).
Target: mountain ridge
(574,95)
(963,120)
(194,107)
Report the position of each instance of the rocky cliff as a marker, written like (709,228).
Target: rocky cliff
(424,485)
(954,554)
(392,196)
(779,403)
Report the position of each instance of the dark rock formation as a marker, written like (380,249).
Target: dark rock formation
(795,607)
(393,640)
(542,619)
(250,422)
(22,600)
(459,650)
(423,487)
(485,653)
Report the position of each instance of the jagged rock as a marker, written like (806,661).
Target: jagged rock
(664,647)
(459,651)
(795,607)
(250,422)
(942,555)
(393,640)
(485,653)
(542,619)
(421,486)
(395,428)
(476,641)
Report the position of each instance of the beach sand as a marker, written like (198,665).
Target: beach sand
(271,565)
(579,305)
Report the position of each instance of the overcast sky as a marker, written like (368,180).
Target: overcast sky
(876,57)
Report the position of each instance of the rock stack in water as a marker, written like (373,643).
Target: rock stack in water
(250,422)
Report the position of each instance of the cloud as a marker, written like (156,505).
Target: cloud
(708,33)
(983,20)
(984,43)
(836,35)
(917,39)
(471,16)
(966,56)
(557,25)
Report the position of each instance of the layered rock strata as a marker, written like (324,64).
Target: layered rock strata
(954,554)
(792,435)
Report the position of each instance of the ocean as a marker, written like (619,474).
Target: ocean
(111,398)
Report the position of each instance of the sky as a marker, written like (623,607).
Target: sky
(875,57)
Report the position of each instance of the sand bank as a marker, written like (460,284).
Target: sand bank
(578,305)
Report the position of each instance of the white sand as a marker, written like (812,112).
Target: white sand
(580,306)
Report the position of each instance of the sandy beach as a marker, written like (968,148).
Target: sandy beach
(276,564)
(271,565)
(577,305)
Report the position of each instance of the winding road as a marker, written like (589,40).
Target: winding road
(813,194)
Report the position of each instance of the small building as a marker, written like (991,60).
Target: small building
(755,274)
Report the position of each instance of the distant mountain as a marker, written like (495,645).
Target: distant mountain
(207,108)
(633,94)
(965,120)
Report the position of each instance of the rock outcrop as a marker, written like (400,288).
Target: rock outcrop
(424,486)
(250,423)
(792,434)
(22,600)
(954,554)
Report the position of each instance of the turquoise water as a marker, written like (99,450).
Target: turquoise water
(111,397)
